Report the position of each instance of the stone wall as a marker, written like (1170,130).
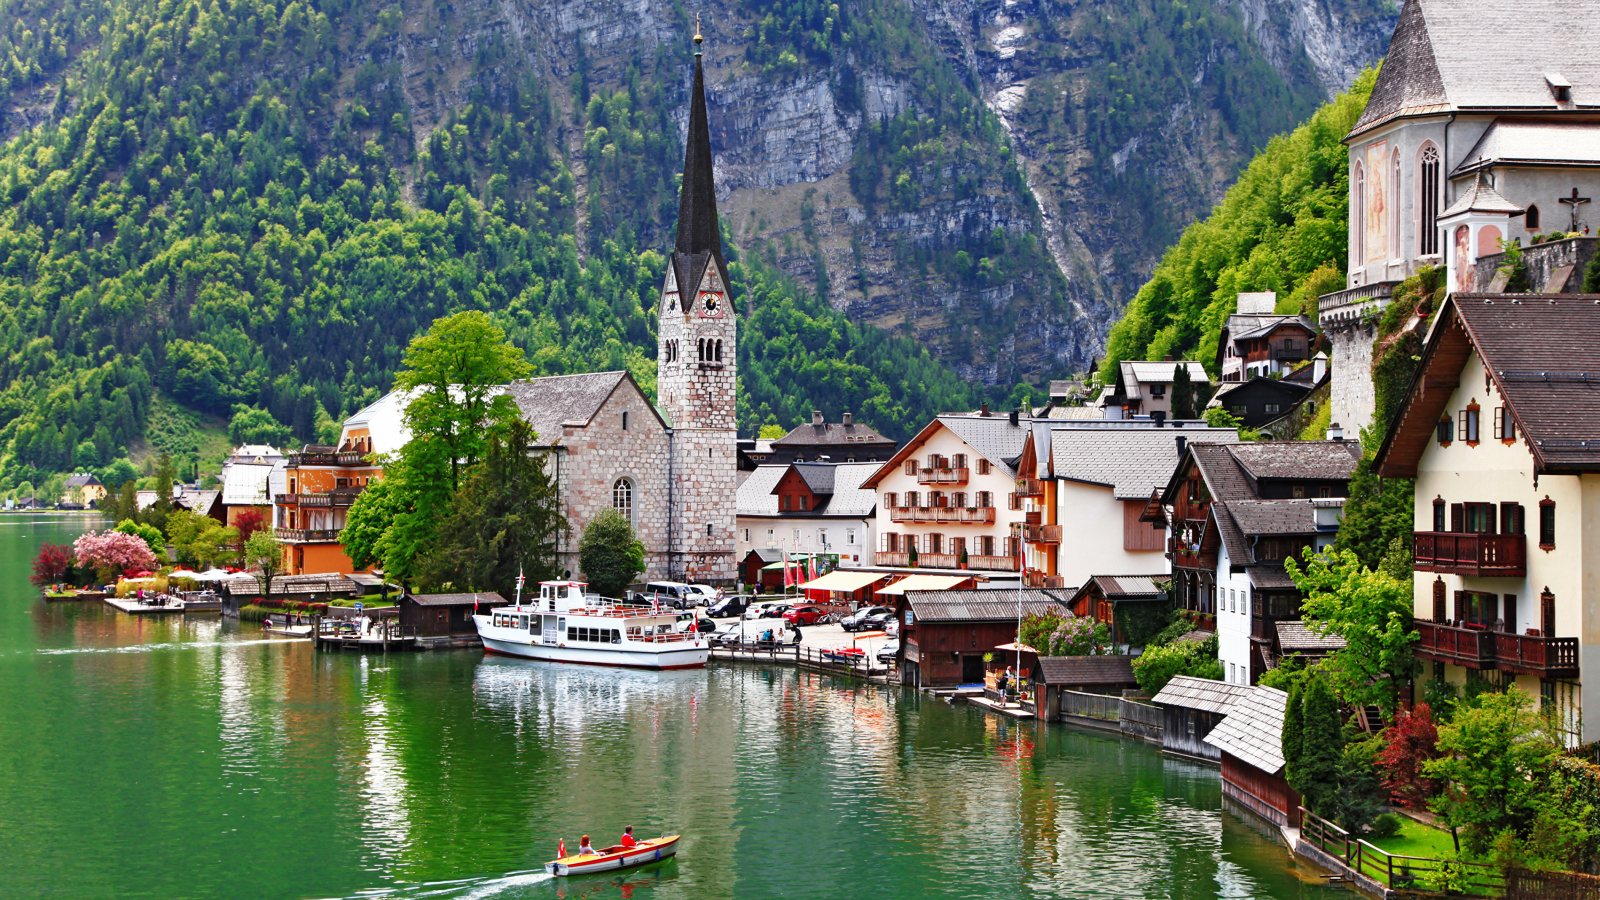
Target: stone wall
(1556,261)
(1350,365)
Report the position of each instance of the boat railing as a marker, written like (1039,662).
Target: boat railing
(676,637)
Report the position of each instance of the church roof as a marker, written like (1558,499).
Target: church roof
(1514,142)
(1481,197)
(547,403)
(1457,55)
(699,239)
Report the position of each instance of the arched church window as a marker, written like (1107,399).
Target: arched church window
(1530,219)
(1428,200)
(622,498)
(1394,204)
(1358,213)
(719,351)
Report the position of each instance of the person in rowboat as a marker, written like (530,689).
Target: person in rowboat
(584,848)
(627,837)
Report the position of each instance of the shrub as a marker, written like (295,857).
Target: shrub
(1413,740)
(1385,826)
(1159,665)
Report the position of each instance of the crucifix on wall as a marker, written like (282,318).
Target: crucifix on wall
(1573,202)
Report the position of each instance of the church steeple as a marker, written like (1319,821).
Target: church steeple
(697,200)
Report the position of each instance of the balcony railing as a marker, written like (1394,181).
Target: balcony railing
(1468,553)
(945,515)
(1033,578)
(1002,563)
(309,535)
(946,561)
(1042,534)
(942,476)
(340,497)
(336,458)
(1030,487)
(1478,648)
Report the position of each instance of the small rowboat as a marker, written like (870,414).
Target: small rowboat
(612,858)
(844,654)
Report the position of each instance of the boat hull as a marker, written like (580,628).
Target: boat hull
(685,658)
(647,852)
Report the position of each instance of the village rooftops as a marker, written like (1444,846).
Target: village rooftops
(1132,375)
(1129,587)
(997,438)
(1073,671)
(1253,729)
(1480,197)
(837,487)
(485,598)
(1435,62)
(556,402)
(1205,694)
(1542,352)
(984,606)
(80,480)
(818,432)
(1132,461)
(1295,637)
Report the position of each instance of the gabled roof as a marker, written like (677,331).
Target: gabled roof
(829,434)
(1131,461)
(1132,373)
(850,498)
(80,480)
(1481,197)
(1230,534)
(1253,729)
(1438,59)
(1311,460)
(844,497)
(992,437)
(1203,694)
(1543,355)
(1258,518)
(817,476)
(246,484)
(549,403)
(1519,142)
(486,598)
(983,606)
(755,497)
(1127,587)
(1086,670)
(1296,637)
(1246,326)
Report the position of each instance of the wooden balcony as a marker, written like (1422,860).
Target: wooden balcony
(335,458)
(947,561)
(993,563)
(1042,534)
(338,498)
(1467,553)
(1479,648)
(942,515)
(1030,487)
(943,476)
(1034,578)
(308,535)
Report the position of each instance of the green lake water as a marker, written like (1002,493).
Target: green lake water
(193,758)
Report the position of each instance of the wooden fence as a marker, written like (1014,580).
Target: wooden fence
(1402,873)
(1091,706)
(1524,885)
(863,666)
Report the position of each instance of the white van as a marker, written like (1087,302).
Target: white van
(679,595)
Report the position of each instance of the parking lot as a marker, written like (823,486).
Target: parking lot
(817,637)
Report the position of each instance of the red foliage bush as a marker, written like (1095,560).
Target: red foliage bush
(250,521)
(51,565)
(1413,740)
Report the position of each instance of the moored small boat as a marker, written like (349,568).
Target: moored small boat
(610,859)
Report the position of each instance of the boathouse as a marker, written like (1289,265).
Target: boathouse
(435,615)
(944,634)
(1192,707)
(1250,740)
(1080,674)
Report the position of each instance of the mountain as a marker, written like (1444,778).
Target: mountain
(258,202)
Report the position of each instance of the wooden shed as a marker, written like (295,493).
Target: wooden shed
(1250,738)
(444,614)
(944,634)
(753,569)
(1085,674)
(1192,707)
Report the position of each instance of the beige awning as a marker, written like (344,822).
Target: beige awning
(924,583)
(846,582)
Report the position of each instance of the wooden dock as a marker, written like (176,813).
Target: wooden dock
(1013,710)
(135,607)
(385,636)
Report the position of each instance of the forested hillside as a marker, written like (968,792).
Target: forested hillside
(1281,228)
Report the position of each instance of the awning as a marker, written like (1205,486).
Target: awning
(924,583)
(846,582)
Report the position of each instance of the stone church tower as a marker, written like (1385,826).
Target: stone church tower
(696,374)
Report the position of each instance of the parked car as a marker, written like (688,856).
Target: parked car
(888,652)
(857,619)
(680,595)
(767,611)
(728,635)
(698,623)
(804,615)
(877,621)
(731,605)
(707,594)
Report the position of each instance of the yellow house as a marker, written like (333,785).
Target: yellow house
(82,489)
(1498,432)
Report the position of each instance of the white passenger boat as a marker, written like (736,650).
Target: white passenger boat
(567,625)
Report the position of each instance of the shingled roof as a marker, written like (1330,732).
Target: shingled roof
(487,598)
(1133,461)
(1543,354)
(1069,671)
(699,234)
(1512,142)
(1296,637)
(550,402)
(1253,729)
(1436,59)
(830,433)
(983,606)
(1269,517)
(1314,460)
(1203,694)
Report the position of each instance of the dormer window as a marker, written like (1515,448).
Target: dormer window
(1560,87)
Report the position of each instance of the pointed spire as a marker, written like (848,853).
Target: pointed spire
(697,198)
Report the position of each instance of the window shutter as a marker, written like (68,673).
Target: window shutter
(1488,518)
(1438,600)
(1511,613)
(1499,422)
(1014,501)
(1461,605)
(1458,517)
(911,467)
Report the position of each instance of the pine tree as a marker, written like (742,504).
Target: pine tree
(1182,392)
(1316,774)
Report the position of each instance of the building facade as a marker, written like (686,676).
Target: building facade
(808,508)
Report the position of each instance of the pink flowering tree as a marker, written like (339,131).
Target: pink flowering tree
(112,552)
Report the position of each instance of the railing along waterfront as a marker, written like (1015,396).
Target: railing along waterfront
(1400,873)
(1471,553)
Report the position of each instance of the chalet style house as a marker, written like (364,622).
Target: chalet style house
(808,508)
(845,441)
(1083,487)
(670,468)
(951,492)
(82,489)
(944,634)
(1145,388)
(1453,155)
(1257,342)
(1235,511)
(1498,433)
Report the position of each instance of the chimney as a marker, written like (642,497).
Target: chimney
(1319,367)
(816,417)
(1159,415)
(984,411)
(1014,416)
(847,418)
(1167,358)
(1183,444)
(1335,433)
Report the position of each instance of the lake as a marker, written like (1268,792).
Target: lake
(192,757)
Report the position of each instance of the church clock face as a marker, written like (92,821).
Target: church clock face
(710,304)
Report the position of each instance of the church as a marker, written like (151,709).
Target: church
(1481,129)
(669,467)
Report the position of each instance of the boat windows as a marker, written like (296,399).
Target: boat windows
(522,622)
(594,635)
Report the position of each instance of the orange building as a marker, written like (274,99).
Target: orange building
(322,482)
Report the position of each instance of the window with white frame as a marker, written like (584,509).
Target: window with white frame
(622,497)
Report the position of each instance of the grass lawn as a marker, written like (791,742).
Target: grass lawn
(1416,839)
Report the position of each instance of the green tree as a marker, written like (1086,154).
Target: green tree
(166,476)
(1294,719)
(1372,611)
(253,425)
(609,554)
(772,432)
(264,553)
(369,518)
(1316,773)
(149,533)
(454,375)
(1158,665)
(1377,513)
(505,519)
(1182,393)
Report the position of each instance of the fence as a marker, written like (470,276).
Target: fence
(1091,706)
(1402,873)
(1524,885)
(862,666)
(1142,719)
